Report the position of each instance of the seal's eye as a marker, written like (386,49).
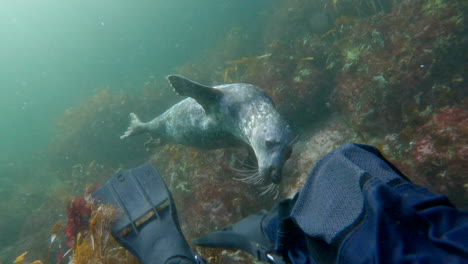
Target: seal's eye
(270,143)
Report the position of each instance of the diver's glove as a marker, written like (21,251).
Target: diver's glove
(255,234)
(147,225)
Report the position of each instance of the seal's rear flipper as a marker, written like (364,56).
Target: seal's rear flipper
(148,225)
(136,127)
(204,95)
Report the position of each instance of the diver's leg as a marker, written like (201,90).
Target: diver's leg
(356,207)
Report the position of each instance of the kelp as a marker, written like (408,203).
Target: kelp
(89,241)
(96,245)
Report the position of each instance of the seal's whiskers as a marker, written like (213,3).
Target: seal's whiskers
(244,170)
(276,191)
(271,188)
(247,173)
(255,178)
(267,189)
(294,140)
(249,178)
(250,166)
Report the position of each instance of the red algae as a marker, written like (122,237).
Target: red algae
(435,153)
(78,214)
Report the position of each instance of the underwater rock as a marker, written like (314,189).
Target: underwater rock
(435,153)
(392,72)
(440,153)
(311,147)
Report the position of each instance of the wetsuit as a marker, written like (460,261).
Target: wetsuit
(356,207)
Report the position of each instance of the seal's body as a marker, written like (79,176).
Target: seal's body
(224,116)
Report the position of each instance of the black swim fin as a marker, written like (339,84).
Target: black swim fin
(256,234)
(148,225)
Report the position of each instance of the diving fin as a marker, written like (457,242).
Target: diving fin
(148,224)
(206,96)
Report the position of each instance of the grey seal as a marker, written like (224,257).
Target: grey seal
(227,115)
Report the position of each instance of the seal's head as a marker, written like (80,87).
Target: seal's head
(272,144)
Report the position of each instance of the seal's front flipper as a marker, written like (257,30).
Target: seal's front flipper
(154,143)
(206,96)
(148,225)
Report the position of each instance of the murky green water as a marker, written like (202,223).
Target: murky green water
(55,54)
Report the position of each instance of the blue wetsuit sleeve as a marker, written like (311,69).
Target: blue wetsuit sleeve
(358,207)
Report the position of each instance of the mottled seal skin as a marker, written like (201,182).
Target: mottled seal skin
(224,116)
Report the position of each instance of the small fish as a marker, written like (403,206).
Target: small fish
(67,253)
(101,21)
(55,230)
(20,258)
(264,56)
(52,239)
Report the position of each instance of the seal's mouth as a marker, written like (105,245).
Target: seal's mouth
(273,178)
(271,174)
